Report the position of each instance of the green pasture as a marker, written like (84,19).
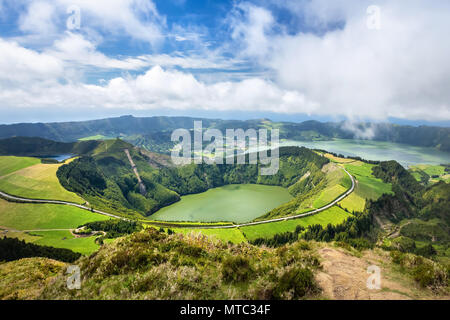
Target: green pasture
(233,235)
(27,216)
(333,215)
(65,239)
(12,164)
(38,181)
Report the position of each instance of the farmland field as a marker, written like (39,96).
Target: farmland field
(367,186)
(338,182)
(12,164)
(234,235)
(36,181)
(65,239)
(96,137)
(333,215)
(436,173)
(25,216)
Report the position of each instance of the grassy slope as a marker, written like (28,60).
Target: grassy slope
(25,279)
(367,186)
(37,181)
(431,170)
(28,178)
(11,164)
(65,239)
(22,216)
(232,235)
(152,265)
(96,137)
(338,182)
(333,215)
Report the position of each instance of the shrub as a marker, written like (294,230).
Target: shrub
(424,275)
(297,282)
(15,249)
(404,244)
(236,269)
(426,251)
(424,271)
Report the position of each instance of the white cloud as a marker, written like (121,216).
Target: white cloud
(20,66)
(39,18)
(250,24)
(137,19)
(76,49)
(400,71)
(159,89)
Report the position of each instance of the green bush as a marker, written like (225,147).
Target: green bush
(236,269)
(404,244)
(297,282)
(425,272)
(426,251)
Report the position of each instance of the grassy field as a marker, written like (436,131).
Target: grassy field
(37,181)
(354,202)
(65,239)
(96,137)
(367,186)
(333,215)
(436,173)
(338,182)
(328,195)
(23,216)
(12,164)
(337,159)
(232,235)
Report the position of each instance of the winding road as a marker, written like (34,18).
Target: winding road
(12,198)
(175,225)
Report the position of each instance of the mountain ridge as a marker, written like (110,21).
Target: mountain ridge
(131,128)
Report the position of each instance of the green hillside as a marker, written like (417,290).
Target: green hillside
(11,164)
(35,180)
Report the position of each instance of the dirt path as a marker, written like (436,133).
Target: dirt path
(344,277)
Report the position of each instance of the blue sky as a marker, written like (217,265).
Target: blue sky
(285,60)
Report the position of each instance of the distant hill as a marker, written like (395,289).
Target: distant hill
(37,147)
(153,131)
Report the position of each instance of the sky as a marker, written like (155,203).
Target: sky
(352,60)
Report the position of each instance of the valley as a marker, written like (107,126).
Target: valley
(318,194)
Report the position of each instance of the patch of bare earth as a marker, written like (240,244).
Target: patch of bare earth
(344,277)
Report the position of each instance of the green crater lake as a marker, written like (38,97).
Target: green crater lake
(236,203)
